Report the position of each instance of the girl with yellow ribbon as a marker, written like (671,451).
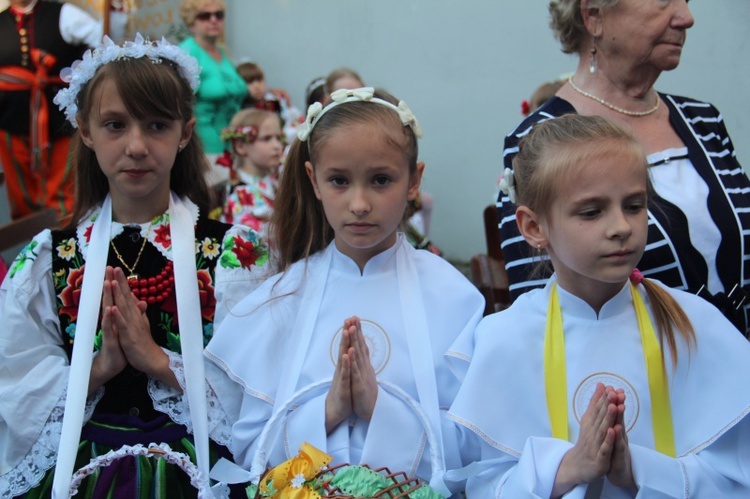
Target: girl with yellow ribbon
(584,401)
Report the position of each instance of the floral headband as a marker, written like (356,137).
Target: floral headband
(82,71)
(248,133)
(365,94)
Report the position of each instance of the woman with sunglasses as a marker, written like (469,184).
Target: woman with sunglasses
(221,90)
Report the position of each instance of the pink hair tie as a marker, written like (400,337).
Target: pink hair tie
(636,277)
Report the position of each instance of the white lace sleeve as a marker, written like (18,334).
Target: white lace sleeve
(43,454)
(173,402)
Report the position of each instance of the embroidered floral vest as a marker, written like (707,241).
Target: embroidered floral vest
(127,392)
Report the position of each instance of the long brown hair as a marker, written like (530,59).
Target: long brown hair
(299,226)
(146,89)
(550,152)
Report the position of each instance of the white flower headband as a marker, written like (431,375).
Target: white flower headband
(342,96)
(82,71)
(507,184)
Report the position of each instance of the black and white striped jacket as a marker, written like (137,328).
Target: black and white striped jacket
(669,257)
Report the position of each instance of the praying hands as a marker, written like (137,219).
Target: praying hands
(354,388)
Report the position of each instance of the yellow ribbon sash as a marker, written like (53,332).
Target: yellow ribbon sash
(555,377)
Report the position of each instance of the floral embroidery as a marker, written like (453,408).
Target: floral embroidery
(208,332)
(241,253)
(87,233)
(210,248)
(71,331)
(246,198)
(206,294)
(163,236)
(71,295)
(28,254)
(67,249)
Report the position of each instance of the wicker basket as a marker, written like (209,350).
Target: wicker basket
(400,486)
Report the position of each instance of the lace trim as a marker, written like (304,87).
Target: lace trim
(174,404)
(43,454)
(162,450)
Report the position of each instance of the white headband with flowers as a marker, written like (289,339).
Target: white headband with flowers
(82,71)
(365,94)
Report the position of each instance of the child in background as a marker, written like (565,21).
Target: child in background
(141,246)
(342,78)
(315,92)
(602,379)
(354,303)
(542,94)
(255,136)
(259,97)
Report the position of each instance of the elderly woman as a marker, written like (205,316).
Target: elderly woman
(697,227)
(222,90)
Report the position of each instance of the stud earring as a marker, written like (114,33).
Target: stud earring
(179,147)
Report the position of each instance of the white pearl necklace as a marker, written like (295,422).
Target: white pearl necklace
(612,106)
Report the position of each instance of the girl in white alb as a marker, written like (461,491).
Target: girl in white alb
(355,304)
(601,384)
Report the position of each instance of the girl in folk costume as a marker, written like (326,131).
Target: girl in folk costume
(607,384)
(257,142)
(141,279)
(354,304)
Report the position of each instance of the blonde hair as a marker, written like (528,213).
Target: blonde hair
(190,8)
(567,23)
(557,148)
(298,225)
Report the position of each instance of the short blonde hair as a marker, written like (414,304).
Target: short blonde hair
(567,23)
(190,8)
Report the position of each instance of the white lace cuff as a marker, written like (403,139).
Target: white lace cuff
(174,403)
(43,454)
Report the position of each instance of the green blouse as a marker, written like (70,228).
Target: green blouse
(219,96)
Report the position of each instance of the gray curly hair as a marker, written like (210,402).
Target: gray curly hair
(567,23)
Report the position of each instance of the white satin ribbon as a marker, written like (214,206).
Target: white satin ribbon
(83,351)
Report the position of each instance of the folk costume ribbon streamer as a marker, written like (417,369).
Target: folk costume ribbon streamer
(17,79)
(555,378)
(82,357)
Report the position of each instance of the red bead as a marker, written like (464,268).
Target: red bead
(171,280)
(151,300)
(152,290)
(160,287)
(151,281)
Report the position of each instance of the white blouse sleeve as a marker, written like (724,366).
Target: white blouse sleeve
(77,27)
(34,370)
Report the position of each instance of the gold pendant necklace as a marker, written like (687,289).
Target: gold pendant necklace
(612,106)
(132,275)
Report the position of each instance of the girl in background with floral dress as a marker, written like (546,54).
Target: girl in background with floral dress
(257,142)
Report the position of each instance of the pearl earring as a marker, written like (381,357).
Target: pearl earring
(592,63)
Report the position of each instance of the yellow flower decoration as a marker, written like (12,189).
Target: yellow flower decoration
(67,249)
(289,480)
(210,248)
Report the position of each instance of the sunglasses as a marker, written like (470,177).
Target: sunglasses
(205,16)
